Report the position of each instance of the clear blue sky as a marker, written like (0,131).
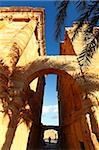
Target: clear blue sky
(52,48)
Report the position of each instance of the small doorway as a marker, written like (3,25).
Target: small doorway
(50,139)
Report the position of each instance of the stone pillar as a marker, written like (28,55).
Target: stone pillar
(34,136)
(95,120)
(66,107)
(93,136)
(35,102)
(91,108)
(74,128)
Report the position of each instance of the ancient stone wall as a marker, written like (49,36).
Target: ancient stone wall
(22,60)
(21,41)
(89,84)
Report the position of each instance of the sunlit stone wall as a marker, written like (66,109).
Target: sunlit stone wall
(21,41)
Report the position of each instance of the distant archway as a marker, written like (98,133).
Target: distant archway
(52,133)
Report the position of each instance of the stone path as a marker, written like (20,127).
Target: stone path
(51,146)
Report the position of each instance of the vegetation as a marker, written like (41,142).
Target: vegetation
(89,13)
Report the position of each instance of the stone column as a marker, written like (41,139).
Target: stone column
(75,131)
(91,107)
(95,120)
(68,133)
(35,103)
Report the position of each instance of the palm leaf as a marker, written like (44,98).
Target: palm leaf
(62,13)
(89,15)
(87,53)
(81,5)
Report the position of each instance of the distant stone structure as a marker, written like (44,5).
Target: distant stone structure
(23,64)
(50,133)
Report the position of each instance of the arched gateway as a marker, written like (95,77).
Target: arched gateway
(22,60)
(73,124)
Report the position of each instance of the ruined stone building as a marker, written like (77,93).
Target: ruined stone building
(23,66)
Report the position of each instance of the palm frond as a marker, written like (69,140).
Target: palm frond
(94,20)
(96,35)
(26,116)
(62,13)
(81,5)
(57,2)
(89,15)
(89,49)
(89,12)
(77,29)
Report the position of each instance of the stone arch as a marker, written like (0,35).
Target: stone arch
(60,65)
(50,127)
(74,116)
(73,125)
(52,64)
(61,73)
(71,106)
(54,134)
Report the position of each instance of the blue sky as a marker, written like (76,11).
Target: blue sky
(50,109)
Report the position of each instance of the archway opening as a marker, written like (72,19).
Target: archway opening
(50,136)
(70,102)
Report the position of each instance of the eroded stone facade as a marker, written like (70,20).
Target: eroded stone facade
(21,42)
(89,84)
(22,61)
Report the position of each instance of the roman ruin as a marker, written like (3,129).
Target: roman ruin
(23,66)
